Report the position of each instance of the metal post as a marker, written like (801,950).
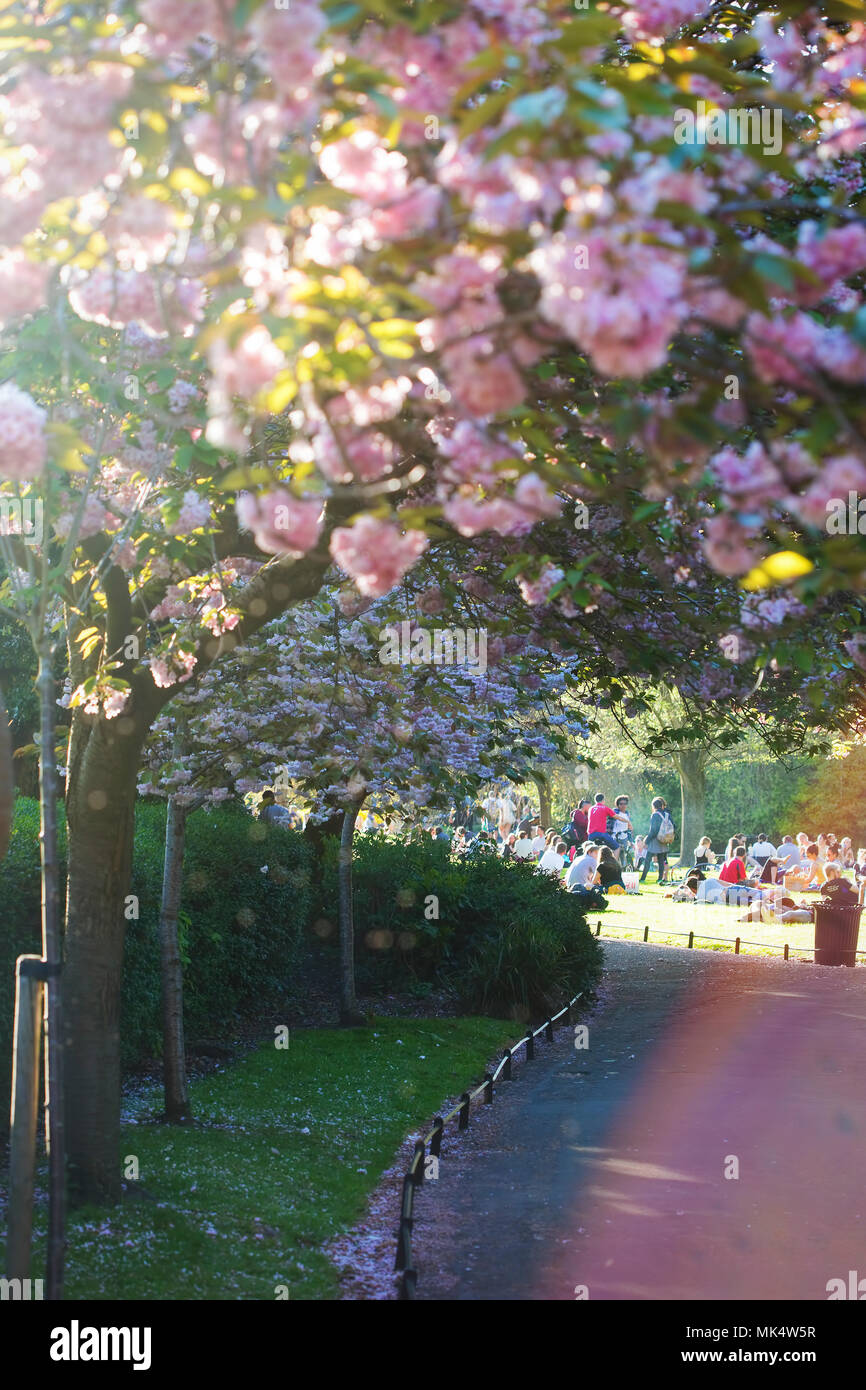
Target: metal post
(549,1029)
(507,1073)
(691,940)
(436,1136)
(418,1163)
(463,1117)
(646,933)
(530,1045)
(737,947)
(25,1103)
(785,956)
(598,928)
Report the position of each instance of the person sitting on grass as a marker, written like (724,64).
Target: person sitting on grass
(810,875)
(609,871)
(733,875)
(860,866)
(553,858)
(583,872)
(704,856)
(837,889)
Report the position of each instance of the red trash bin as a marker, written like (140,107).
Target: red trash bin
(837,928)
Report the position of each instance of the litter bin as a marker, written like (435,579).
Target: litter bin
(837,927)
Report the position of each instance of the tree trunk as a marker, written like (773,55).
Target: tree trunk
(178,1109)
(350,1015)
(544,808)
(691,764)
(7,780)
(101,789)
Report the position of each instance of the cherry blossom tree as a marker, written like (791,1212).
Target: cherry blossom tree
(437,274)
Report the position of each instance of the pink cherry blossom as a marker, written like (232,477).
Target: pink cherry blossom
(536,591)
(247,367)
(22,434)
(194,513)
(375,554)
(361,165)
(22,284)
(728,546)
(282,524)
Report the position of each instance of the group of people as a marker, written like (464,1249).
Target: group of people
(765,877)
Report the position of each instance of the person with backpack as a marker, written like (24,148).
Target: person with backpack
(660,837)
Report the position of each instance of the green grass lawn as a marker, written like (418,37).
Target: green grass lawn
(627,916)
(286,1147)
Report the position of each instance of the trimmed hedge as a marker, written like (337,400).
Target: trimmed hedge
(241,930)
(508,940)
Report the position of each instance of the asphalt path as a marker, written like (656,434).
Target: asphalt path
(708,1143)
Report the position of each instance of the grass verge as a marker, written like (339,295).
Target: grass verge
(286,1147)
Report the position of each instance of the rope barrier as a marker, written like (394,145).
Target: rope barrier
(724,940)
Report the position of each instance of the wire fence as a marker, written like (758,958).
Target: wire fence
(462,1111)
(737,942)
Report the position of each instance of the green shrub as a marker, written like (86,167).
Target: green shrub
(508,940)
(241,930)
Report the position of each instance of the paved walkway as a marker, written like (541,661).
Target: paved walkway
(605,1168)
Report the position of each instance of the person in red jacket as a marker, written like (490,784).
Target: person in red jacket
(733,872)
(597,824)
(579,820)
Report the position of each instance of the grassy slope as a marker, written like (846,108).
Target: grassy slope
(286,1148)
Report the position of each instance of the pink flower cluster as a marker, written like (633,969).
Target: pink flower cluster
(282,524)
(788,349)
(64,121)
(619,298)
(375,554)
(22,285)
(116,298)
(194,513)
(653,19)
(832,257)
(286,41)
(361,455)
(729,545)
(839,476)
(22,434)
(536,591)
(174,668)
(483,376)
(94,520)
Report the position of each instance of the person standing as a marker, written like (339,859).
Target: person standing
(579,820)
(597,823)
(660,824)
(507,815)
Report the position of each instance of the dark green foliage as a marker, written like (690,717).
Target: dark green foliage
(507,939)
(241,930)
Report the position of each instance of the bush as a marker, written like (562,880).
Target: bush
(506,939)
(241,930)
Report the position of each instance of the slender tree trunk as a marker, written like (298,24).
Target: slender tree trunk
(7,780)
(544,809)
(178,1108)
(349,1013)
(691,764)
(51,954)
(101,790)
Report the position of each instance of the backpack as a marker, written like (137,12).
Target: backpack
(666,833)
